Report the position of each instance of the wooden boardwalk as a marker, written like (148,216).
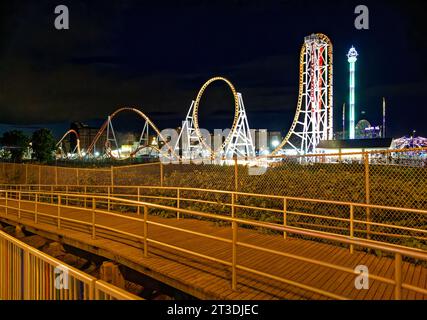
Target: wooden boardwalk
(205,279)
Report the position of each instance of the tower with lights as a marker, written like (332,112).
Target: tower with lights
(352,58)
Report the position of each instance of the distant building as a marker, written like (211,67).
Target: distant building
(354,145)
(87,134)
(274,138)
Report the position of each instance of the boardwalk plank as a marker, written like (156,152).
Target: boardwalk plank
(207,279)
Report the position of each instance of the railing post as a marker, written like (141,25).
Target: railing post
(112,176)
(145,231)
(26,275)
(36,207)
(138,207)
(93,218)
(66,199)
(398,276)
(85,198)
(178,205)
(285,218)
(367,195)
(51,194)
(351,226)
(19,204)
(6,196)
(232,204)
(234,256)
(108,200)
(59,211)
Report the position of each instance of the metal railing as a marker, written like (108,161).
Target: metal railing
(334,217)
(14,200)
(29,274)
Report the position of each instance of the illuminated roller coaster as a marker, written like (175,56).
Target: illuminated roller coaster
(60,150)
(313,120)
(143,144)
(196,144)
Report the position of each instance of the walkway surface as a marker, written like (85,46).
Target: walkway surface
(205,279)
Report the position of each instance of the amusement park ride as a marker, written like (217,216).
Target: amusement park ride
(312,123)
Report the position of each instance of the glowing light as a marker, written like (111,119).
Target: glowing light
(126,148)
(352,58)
(275,143)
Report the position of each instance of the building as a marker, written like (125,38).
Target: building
(86,134)
(274,138)
(354,145)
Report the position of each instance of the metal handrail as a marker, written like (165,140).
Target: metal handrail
(261,195)
(398,251)
(233,205)
(41,287)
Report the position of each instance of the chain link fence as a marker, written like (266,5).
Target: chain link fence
(395,178)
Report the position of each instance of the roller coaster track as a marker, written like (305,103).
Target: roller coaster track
(301,91)
(196,114)
(77,137)
(142,115)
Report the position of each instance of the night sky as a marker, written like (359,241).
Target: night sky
(155,55)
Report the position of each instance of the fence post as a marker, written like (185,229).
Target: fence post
(285,218)
(56,175)
(161,174)
(368,195)
(351,226)
(112,176)
(145,231)
(236,175)
(93,217)
(59,211)
(234,256)
(138,207)
(398,276)
(26,173)
(6,194)
(40,176)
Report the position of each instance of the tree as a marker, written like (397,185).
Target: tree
(16,142)
(43,145)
